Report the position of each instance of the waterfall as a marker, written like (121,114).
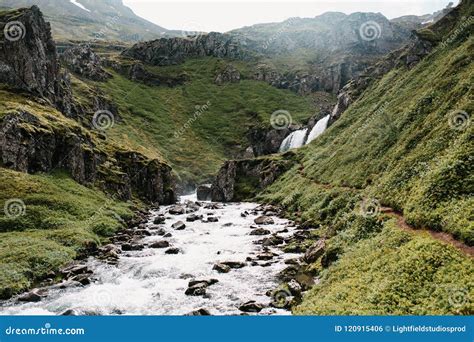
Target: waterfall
(318,129)
(294,140)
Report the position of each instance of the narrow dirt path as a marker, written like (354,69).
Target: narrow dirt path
(440,236)
(401,221)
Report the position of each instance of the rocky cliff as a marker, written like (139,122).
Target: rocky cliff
(28,59)
(239,180)
(171,51)
(35,137)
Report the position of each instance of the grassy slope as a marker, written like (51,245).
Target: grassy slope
(394,144)
(152,115)
(62,220)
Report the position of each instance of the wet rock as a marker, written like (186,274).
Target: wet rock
(272,241)
(294,287)
(172,250)
(192,207)
(132,247)
(285,230)
(167,235)
(32,296)
(204,192)
(159,244)
(193,217)
(244,214)
(177,210)
(292,261)
(227,224)
(159,220)
(221,268)
(209,282)
(315,251)
(69,312)
(264,220)
(212,219)
(234,264)
(212,206)
(160,232)
(251,306)
(142,232)
(265,256)
(82,278)
(178,225)
(200,312)
(198,289)
(260,231)
(75,269)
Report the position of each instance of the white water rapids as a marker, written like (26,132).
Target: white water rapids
(150,282)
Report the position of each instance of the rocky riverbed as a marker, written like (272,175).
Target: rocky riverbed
(194,258)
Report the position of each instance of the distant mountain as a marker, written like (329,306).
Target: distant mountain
(104,20)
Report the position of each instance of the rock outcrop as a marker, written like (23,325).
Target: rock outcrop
(83,61)
(172,51)
(229,75)
(30,144)
(28,59)
(239,180)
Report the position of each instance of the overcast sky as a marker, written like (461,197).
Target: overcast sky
(225,15)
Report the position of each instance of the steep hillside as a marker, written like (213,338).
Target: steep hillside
(406,146)
(105,20)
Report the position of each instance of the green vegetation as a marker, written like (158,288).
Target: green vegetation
(407,143)
(60,221)
(170,121)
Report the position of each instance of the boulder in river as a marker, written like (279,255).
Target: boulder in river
(198,289)
(178,225)
(32,296)
(69,312)
(260,231)
(200,312)
(193,217)
(212,219)
(132,247)
(209,282)
(234,264)
(204,192)
(274,240)
(251,306)
(177,210)
(172,250)
(160,244)
(264,220)
(159,220)
(221,268)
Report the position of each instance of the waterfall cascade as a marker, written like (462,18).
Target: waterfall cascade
(298,138)
(318,129)
(294,140)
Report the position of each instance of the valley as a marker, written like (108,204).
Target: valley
(334,169)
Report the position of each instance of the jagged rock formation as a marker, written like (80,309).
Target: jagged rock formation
(229,75)
(84,62)
(175,50)
(37,142)
(28,59)
(31,145)
(238,180)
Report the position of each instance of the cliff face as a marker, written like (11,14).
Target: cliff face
(34,137)
(170,51)
(28,59)
(239,180)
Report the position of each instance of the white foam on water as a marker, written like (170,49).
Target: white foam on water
(294,140)
(318,129)
(150,282)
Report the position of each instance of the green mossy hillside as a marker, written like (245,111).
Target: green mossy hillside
(52,221)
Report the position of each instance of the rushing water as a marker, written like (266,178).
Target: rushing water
(150,282)
(318,129)
(294,140)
